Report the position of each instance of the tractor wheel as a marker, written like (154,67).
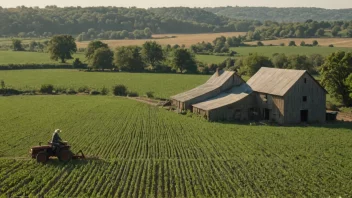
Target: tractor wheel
(42,157)
(65,155)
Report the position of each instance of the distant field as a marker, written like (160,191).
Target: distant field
(211,58)
(11,57)
(270,50)
(337,42)
(181,39)
(163,85)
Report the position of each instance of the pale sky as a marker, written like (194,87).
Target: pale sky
(332,4)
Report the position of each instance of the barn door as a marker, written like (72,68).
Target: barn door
(304,115)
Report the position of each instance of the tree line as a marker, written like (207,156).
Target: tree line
(283,14)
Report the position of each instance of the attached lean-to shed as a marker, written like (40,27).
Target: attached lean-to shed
(219,82)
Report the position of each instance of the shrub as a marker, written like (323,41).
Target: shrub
(331,45)
(120,90)
(71,91)
(260,43)
(104,91)
(282,44)
(78,64)
(60,90)
(47,88)
(150,94)
(331,106)
(94,92)
(292,43)
(2,84)
(315,43)
(132,94)
(84,89)
(303,43)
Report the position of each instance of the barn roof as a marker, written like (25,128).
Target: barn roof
(274,81)
(216,81)
(226,98)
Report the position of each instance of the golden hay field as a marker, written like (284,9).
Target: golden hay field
(337,42)
(180,39)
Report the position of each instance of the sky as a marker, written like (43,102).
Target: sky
(336,4)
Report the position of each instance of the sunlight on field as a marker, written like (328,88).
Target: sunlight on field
(181,39)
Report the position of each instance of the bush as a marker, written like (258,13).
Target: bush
(59,90)
(71,91)
(150,94)
(331,106)
(292,43)
(132,94)
(282,44)
(260,43)
(120,90)
(78,64)
(2,84)
(84,89)
(331,45)
(47,88)
(94,92)
(104,91)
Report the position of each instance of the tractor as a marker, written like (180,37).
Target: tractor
(42,153)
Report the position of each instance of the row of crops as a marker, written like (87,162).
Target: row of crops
(149,152)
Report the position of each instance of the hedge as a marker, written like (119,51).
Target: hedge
(39,66)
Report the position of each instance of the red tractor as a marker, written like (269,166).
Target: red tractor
(42,153)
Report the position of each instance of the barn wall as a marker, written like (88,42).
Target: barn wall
(235,80)
(275,104)
(238,111)
(315,104)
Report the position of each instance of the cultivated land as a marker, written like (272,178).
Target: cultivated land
(337,42)
(270,50)
(149,152)
(180,39)
(163,85)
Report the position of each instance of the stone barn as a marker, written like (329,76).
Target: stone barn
(281,95)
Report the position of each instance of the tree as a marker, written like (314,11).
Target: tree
(152,53)
(335,31)
(17,45)
(32,45)
(320,32)
(259,43)
(292,43)
(253,62)
(148,33)
(335,71)
(129,58)
(102,59)
(62,47)
(279,61)
(183,60)
(315,43)
(303,44)
(92,46)
(300,62)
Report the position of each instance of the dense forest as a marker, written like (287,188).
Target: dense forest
(283,14)
(33,21)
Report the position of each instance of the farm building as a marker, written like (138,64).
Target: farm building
(219,82)
(281,95)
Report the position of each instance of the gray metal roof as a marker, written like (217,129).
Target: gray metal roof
(212,84)
(226,98)
(274,81)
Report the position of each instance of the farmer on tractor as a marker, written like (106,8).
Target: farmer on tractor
(56,140)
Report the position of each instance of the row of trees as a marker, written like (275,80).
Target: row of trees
(92,34)
(33,46)
(273,30)
(219,45)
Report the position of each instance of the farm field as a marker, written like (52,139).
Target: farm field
(337,42)
(270,50)
(150,152)
(163,85)
(11,57)
(211,59)
(165,39)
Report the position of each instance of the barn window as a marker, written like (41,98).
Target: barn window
(305,80)
(304,98)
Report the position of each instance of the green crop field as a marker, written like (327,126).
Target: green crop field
(270,50)
(11,57)
(150,152)
(211,59)
(163,85)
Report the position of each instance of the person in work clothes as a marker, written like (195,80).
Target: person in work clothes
(56,141)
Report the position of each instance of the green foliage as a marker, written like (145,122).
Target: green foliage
(335,76)
(17,45)
(152,53)
(259,43)
(183,60)
(120,90)
(132,94)
(78,64)
(2,84)
(292,43)
(315,43)
(62,47)
(47,88)
(149,94)
(104,91)
(92,46)
(129,58)
(303,44)
(114,35)
(94,92)
(253,63)
(102,59)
